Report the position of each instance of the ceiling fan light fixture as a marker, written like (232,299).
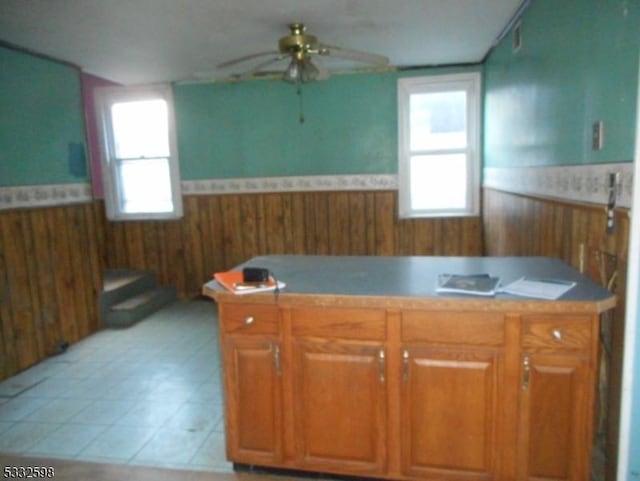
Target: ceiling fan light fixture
(309,72)
(300,71)
(292,73)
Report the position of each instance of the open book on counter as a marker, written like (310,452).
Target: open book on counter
(474,284)
(233,281)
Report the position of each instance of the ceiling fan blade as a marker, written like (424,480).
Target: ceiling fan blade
(323,73)
(262,65)
(235,61)
(356,55)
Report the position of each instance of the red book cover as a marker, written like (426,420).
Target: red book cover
(233,282)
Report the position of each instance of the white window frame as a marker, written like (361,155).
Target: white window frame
(471,83)
(104,98)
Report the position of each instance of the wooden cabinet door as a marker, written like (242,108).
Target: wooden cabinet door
(253,402)
(554,436)
(340,406)
(450,419)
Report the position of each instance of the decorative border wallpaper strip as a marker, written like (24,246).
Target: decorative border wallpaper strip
(44,195)
(291,184)
(581,183)
(26,196)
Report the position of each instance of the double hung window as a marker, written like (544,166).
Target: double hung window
(139,154)
(438,145)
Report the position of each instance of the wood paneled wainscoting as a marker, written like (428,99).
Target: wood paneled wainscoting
(50,276)
(219,231)
(52,258)
(524,225)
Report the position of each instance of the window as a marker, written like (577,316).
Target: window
(439,145)
(139,153)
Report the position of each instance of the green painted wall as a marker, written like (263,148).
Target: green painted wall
(225,130)
(42,137)
(578,64)
(252,129)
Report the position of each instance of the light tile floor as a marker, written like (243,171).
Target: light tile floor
(149,395)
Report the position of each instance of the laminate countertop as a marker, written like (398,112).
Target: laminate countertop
(410,282)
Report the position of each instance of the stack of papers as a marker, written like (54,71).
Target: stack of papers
(474,284)
(538,288)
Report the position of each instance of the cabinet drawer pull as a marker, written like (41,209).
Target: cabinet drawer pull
(381,364)
(405,365)
(526,374)
(276,359)
(249,320)
(557,334)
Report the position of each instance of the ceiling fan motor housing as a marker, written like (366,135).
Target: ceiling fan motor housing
(298,43)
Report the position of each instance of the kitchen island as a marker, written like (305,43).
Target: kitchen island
(359,367)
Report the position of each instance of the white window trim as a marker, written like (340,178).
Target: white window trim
(471,82)
(105,97)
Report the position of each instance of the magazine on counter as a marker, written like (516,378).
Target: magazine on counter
(474,284)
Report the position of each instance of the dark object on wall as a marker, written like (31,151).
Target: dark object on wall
(77,160)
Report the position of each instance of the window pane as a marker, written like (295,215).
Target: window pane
(439,181)
(140,129)
(438,120)
(145,186)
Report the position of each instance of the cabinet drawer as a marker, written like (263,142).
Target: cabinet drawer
(339,323)
(249,319)
(475,328)
(556,333)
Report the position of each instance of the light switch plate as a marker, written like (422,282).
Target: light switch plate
(597,135)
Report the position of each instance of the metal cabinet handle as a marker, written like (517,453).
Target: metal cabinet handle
(405,365)
(526,372)
(557,334)
(381,357)
(276,359)
(249,320)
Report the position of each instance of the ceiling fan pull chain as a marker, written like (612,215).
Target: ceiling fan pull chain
(300,105)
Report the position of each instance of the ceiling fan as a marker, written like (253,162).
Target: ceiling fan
(301,48)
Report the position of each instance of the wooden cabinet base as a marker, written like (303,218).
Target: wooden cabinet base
(433,388)
(323,390)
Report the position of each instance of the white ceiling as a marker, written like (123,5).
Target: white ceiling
(146,41)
